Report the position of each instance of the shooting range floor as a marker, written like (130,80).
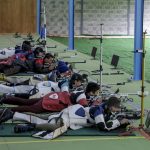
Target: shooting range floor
(82,142)
(123,47)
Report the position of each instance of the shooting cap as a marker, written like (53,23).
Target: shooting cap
(62,67)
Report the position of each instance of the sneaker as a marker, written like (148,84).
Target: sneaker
(19,128)
(5,115)
(2,77)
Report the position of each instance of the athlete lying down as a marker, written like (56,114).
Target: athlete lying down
(75,117)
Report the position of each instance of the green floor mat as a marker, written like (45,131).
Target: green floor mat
(7,130)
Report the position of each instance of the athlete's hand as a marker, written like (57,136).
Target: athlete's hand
(52,66)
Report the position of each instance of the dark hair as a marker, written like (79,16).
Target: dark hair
(26,42)
(113,101)
(85,78)
(48,55)
(92,87)
(74,77)
(26,45)
(37,51)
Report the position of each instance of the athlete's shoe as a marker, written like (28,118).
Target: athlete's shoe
(19,128)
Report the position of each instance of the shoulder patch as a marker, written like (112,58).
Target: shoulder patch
(80,112)
(54,96)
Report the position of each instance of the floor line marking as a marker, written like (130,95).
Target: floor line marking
(70,140)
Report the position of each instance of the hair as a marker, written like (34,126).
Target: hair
(26,45)
(92,87)
(48,55)
(37,51)
(85,78)
(77,77)
(113,101)
(26,42)
(74,77)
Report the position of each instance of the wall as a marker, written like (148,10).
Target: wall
(116,15)
(17,16)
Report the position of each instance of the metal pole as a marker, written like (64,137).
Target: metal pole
(38,22)
(45,31)
(143,78)
(138,35)
(71,25)
(101,53)
(44,23)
